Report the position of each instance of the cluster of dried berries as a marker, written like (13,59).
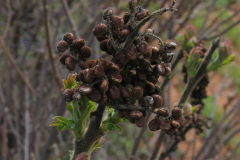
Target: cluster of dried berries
(130,77)
(167,123)
(199,92)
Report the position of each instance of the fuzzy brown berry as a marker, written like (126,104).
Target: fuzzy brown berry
(142,47)
(141,14)
(112,66)
(155,54)
(85,90)
(95,95)
(160,68)
(165,125)
(149,53)
(62,46)
(103,45)
(141,74)
(136,114)
(117,22)
(104,85)
(124,34)
(77,96)
(163,112)
(124,92)
(83,65)
(154,125)
(86,52)
(115,77)
(126,79)
(131,52)
(78,44)
(107,12)
(132,4)
(91,63)
(114,92)
(144,64)
(175,123)
(63,58)
(100,30)
(146,101)
(70,63)
(150,87)
(67,94)
(99,71)
(88,75)
(68,37)
(158,101)
(101,62)
(120,59)
(140,122)
(176,112)
(181,120)
(137,92)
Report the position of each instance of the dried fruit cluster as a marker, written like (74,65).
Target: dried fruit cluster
(131,76)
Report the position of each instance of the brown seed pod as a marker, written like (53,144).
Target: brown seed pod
(99,71)
(101,62)
(141,74)
(120,59)
(103,45)
(115,77)
(116,32)
(137,92)
(158,101)
(152,78)
(132,4)
(131,52)
(144,64)
(63,58)
(85,90)
(149,53)
(176,112)
(136,114)
(163,112)
(77,96)
(110,47)
(167,71)
(125,114)
(100,30)
(175,123)
(150,87)
(62,46)
(100,39)
(88,75)
(146,101)
(155,54)
(140,83)
(134,63)
(78,44)
(126,79)
(86,52)
(104,85)
(117,22)
(124,34)
(141,14)
(70,63)
(142,48)
(91,63)
(107,12)
(140,122)
(181,120)
(83,65)
(67,94)
(131,120)
(80,76)
(112,66)
(171,46)
(124,92)
(148,38)
(103,99)
(165,125)
(95,95)
(154,125)
(114,92)
(160,68)
(68,37)
(171,131)
(157,89)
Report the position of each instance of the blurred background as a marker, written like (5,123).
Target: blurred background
(31,77)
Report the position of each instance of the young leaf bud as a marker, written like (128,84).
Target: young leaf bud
(100,30)
(107,12)
(91,63)
(160,69)
(163,112)
(67,94)
(137,92)
(141,14)
(167,72)
(62,46)
(157,89)
(85,90)
(171,46)
(132,4)
(124,92)
(86,52)
(149,53)
(99,71)
(63,58)
(142,75)
(70,63)
(124,34)
(126,18)
(165,125)
(150,87)
(104,85)
(152,78)
(101,62)
(158,101)
(114,92)
(175,123)
(171,131)
(83,65)
(134,63)
(110,47)
(136,114)
(140,122)
(155,54)
(68,37)
(88,75)
(80,76)
(181,120)
(115,77)
(117,22)
(146,101)
(126,79)
(154,125)
(95,95)
(78,44)
(120,59)
(113,66)
(176,112)
(100,39)
(131,52)
(140,83)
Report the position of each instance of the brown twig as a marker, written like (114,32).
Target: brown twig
(157,146)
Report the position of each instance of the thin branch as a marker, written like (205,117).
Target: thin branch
(50,51)
(71,21)
(10,58)
(27,125)
(157,145)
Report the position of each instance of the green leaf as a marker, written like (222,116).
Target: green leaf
(70,108)
(56,123)
(117,128)
(71,124)
(229,59)
(60,128)
(61,119)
